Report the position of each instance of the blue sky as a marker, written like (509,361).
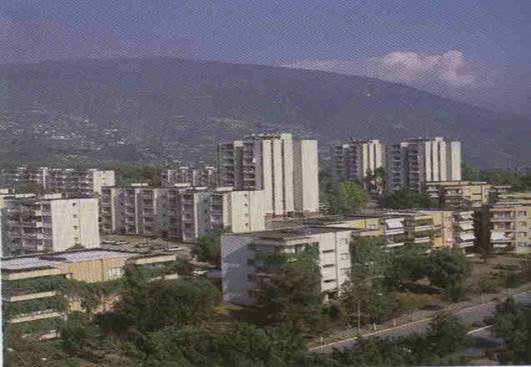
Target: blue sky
(476,51)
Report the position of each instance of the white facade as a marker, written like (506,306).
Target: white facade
(242,269)
(202,176)
(70,181)
(414,162)
(36,225)
(286,170)
(180,212)
(352,161)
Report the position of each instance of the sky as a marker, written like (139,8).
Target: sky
(477,51)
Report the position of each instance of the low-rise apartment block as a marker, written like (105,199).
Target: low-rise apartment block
(33,300)
(244,267)
(69,181)
(414,162)
(506,223)
(459,194)
(180,212)
(200,176)
(50,223)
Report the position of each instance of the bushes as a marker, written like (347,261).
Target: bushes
(56,303)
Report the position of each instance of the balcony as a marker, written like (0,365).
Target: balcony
(395,231)
(422,240)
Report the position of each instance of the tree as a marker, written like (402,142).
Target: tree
(470,172)
(344,197)
(78,337)
(446,334)
(512,323)
(375,180)
(290,295)
(407,264)
(148,306)
(364,297)
(238,344)
(208,248)
(405,199)
(447,268)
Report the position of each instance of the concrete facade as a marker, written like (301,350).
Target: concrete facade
(180,212)
(243,269)
(50,224)
(414,162)
(354,160)
(285,169)
(69,181)
(195,176)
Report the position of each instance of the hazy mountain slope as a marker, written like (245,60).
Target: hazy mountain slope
(157,109)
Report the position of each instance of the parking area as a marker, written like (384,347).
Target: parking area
(147,244)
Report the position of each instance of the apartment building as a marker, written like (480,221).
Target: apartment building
(31,285)
(414,162)
(459,194)
(69,181)
(506,223)
(202,176)
(464,230)
(244,267)
(50,223)
(356,160)
(180,212)
(285,169)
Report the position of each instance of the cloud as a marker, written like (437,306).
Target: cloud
(446,70)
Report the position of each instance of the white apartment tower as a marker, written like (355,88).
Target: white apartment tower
(286,170)
(354,160)
(414,162)
(51,224)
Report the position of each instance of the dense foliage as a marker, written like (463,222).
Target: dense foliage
(208,248)
(405,199)
(342,197)
(512,323)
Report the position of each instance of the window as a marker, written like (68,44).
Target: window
(328,251)
(328,266)
(250,262)
(251,246)
(75,215)
(522,213)
(73,204)
(115,273)
(250,277)
(344,241)
(75,227)
(522,234)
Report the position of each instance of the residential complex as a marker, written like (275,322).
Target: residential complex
(285,169)
(414,162)
(357,159)
(506,223)
(181,212)
(32,293)
(245,265)
(69,181)
(458,194)
(49,223)
(203,176)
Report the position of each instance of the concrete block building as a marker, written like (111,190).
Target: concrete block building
(180,212)
(414,162)
(243,269)
(356,159)
(285,169)
(31,285)
(72,182)
(195,176)
(50,224)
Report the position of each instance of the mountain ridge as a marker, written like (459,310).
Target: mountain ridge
(162,109)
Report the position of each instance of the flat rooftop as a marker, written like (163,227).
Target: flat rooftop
(49,260)
(291,232)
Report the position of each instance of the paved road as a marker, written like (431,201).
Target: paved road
(468,315)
